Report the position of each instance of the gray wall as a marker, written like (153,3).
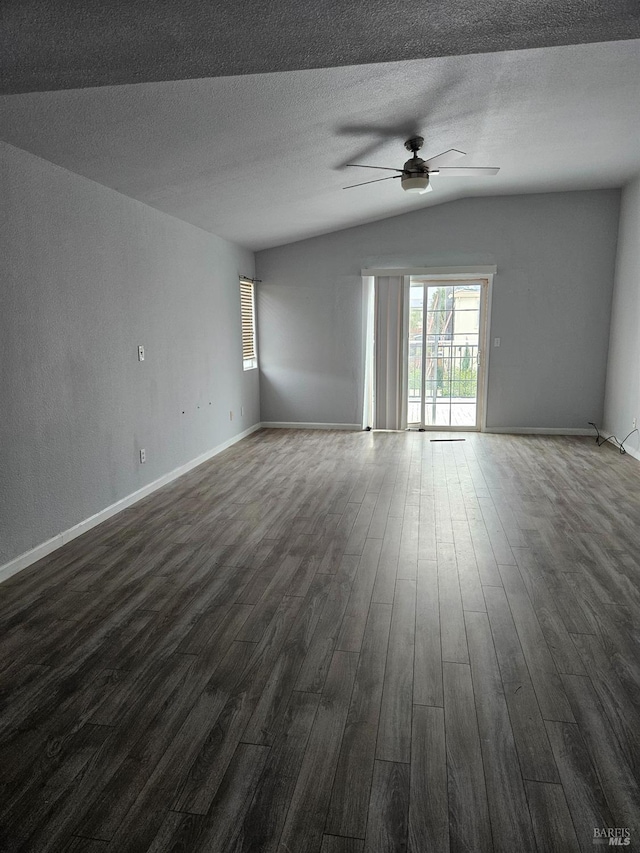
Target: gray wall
(87,275)
(555,255)
(622,402)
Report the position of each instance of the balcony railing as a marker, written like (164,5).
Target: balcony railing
(451,370)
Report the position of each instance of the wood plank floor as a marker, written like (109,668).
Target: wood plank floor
(324,642)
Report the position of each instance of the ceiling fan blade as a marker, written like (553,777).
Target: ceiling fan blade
(465,171)
(449,156)
(386,168)
(376,181)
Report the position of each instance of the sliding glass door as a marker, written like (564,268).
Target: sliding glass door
(445,350)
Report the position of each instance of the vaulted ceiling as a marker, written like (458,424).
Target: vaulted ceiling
(241,118)
(57,44)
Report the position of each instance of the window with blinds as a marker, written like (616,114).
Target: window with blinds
(248,317)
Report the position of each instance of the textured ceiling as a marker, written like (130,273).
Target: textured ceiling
(56,44)
(260,159)
(209,132)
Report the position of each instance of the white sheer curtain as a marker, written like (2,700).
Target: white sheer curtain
(390,351)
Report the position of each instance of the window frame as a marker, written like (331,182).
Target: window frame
(248,325)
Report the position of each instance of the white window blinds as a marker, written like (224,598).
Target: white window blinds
(248,318)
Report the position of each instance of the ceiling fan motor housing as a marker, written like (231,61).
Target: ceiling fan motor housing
(415,173)
(416,166)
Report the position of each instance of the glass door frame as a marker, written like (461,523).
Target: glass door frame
(486,282)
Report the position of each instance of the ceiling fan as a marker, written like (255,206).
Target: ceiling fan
(414,175)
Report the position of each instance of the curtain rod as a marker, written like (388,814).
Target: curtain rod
(480,269)
(252,280)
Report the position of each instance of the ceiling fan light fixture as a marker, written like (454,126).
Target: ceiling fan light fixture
(415,183)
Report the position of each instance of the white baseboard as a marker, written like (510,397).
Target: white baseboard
(29,557)
(630,450)
(540,430)
(296,425)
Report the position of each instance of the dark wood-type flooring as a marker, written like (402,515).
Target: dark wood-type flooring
(332,642)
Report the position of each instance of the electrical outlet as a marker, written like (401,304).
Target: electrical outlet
(496,342)
(140,353)
(143,455)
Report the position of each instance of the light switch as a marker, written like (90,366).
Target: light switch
(140,353)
